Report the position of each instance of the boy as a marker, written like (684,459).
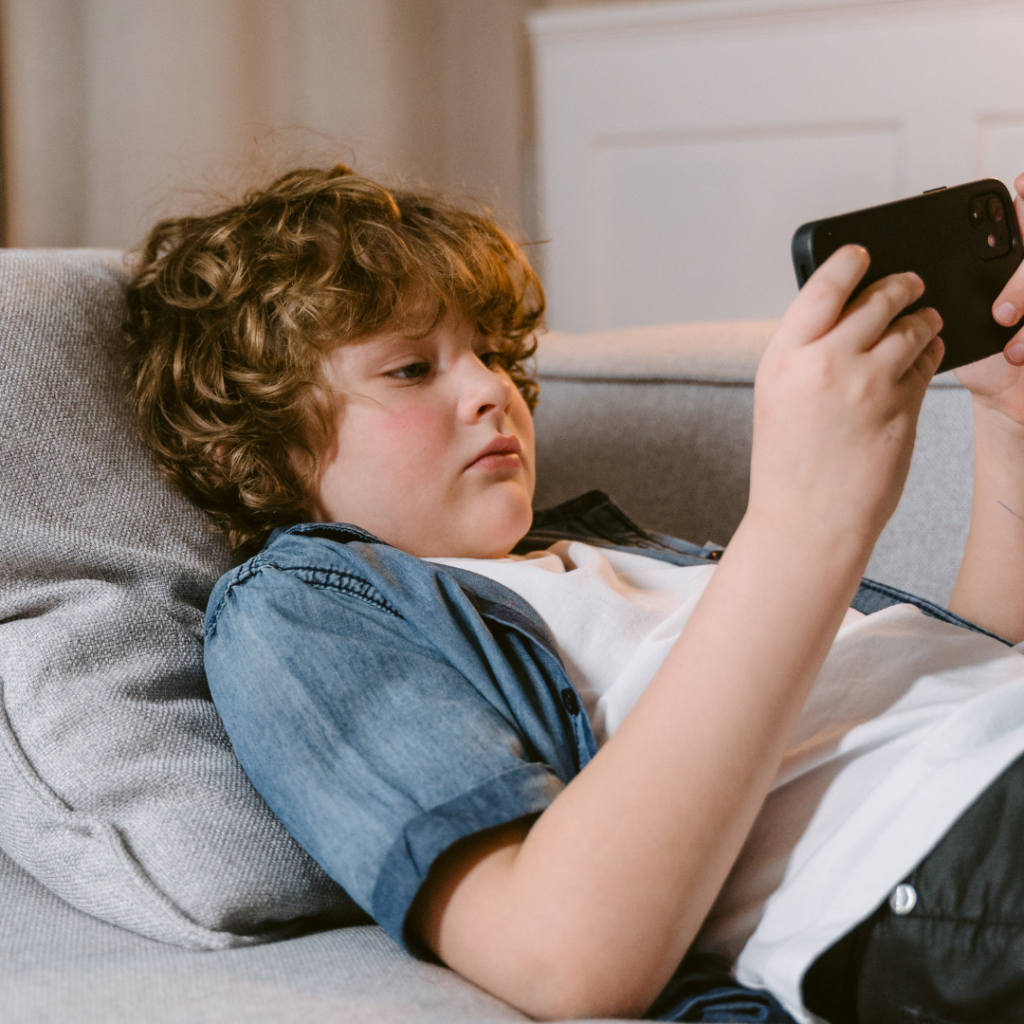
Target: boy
(343,365)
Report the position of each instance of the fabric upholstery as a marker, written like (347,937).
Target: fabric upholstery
(63,967)
(118,788)
(661,419)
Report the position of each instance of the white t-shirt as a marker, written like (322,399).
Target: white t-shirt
(907,724)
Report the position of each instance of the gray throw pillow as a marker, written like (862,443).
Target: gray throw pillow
(118,787)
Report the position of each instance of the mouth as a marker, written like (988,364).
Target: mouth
(502,453)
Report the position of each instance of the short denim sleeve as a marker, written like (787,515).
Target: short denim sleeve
(375,753)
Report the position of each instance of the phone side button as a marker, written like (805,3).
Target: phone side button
(929,191)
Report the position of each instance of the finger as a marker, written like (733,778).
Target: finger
(865,320)
(820,302)
(928,362)
(1009,304)
(1014,351)
(906,339)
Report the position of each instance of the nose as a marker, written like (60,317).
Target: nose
(482,391)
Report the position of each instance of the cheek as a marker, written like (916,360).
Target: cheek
(408,438)
(524,428)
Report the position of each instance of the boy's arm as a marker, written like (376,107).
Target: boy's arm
(990,586)
(588,910)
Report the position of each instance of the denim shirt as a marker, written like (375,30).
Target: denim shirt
(386,707)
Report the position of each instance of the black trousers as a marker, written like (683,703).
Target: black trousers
(958,955)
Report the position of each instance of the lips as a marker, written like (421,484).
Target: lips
(500,453)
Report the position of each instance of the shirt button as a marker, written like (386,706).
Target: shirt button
(903,899)
(572,705)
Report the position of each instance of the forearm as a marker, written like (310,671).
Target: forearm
(990,586)
(588,912)
(591,911)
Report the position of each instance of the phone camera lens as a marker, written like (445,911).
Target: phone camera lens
(991,236)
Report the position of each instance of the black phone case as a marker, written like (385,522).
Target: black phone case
(937,236)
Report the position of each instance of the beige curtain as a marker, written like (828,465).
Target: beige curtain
(117,112)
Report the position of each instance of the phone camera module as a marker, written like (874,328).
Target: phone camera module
(988,216)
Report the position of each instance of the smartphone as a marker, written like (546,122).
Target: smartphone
(964,242)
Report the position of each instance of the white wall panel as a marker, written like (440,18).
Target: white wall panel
(681,143)
(716,211)
(1001,147)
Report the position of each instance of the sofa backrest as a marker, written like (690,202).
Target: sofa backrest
(661,419)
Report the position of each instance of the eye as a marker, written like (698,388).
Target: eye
(411,371)
(492,360)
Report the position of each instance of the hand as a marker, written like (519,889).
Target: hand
(588,911)
(997,383)
(836,401)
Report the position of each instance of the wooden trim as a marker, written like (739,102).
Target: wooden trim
(557,25)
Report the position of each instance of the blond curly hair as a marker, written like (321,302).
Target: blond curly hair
(231,316)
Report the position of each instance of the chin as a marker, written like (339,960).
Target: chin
(498,528)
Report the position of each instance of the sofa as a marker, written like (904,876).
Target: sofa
(142,880)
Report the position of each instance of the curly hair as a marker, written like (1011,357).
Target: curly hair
(231,317)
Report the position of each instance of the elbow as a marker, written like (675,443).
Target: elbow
(556,987)
(566,1006)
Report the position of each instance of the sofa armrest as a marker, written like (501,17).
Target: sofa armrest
(660,418)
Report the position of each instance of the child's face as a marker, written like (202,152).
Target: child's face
(434,450)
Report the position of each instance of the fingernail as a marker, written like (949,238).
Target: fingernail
(1006,313)
(1015,353)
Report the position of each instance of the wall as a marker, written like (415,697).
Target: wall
(682,143)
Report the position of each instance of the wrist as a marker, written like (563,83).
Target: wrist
(994,425)
(833,543)
(998,447)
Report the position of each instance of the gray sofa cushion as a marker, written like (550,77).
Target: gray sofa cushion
(660,418)
(62,967)
(118,788)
